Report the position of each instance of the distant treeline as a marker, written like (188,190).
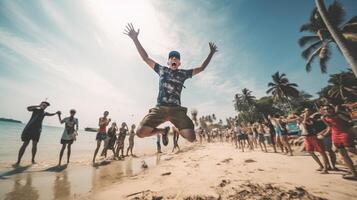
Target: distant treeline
(10,120)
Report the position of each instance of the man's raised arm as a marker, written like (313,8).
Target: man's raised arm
(130,31)
(213,50)
(32,108)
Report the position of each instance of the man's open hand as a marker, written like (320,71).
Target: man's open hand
(213,47)
(130,31)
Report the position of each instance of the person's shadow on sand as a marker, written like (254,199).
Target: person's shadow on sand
(16,170)
(56,168)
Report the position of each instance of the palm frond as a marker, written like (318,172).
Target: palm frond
(350,26)
(270,84)
(352,20)
(292,85)
(336,13)
(310,59)
(307,52)
(308,40)
(324,55)
(308,27)
(270,90)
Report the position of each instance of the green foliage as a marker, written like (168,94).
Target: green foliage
(318,44)
(342,88)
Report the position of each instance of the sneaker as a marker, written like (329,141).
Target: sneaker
(165,138)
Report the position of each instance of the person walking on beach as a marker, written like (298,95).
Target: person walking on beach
(158,143)
(69,134)
(261,138)
(131,140)
(32,130)
(235,136)
(250,136)
(200,134)
(281,133)
(270,129)
(326,139)
(341,138)
(241,136)
(169,99)
(112,138)
(123,130)
(102,132)
(312,143)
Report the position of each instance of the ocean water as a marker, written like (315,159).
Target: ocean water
(44,180)
(49,146)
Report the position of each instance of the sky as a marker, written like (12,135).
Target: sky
(74,53)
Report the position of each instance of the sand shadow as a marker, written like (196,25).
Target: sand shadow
(56,168)
(16,170)
(102,163)
(186,149)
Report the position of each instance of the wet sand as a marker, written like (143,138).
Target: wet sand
(219,171)
(47,181)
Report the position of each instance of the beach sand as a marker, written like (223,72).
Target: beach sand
(219,171)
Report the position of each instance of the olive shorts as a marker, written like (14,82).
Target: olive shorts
(160,114)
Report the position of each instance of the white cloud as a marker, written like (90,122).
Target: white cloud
(91,66)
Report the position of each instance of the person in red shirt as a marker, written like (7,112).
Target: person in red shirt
(102,132)
(341,138)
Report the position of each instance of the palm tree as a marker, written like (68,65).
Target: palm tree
(319,42)
(282,89)
(244,101)
(343,86)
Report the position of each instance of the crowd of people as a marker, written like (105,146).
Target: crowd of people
(114,138)
(322,129)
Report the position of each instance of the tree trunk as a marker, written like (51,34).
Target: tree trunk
(337,36)
(289,103)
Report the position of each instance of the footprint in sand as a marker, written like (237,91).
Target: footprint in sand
(224,183)
(226,160)
(168,158)
(249,161)
(166,174)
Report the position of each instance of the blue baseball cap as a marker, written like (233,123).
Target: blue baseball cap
(175,54)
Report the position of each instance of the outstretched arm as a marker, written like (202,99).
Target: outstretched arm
(130,31)
(59,118)
(213,50)
(32,108)
(52,114)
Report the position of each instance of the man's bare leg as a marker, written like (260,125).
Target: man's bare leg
(146,131)
(96,150)
(21,152)
(61,154)
(34,150)
(188,134)
(348,162)
(317,160)
(68,152)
